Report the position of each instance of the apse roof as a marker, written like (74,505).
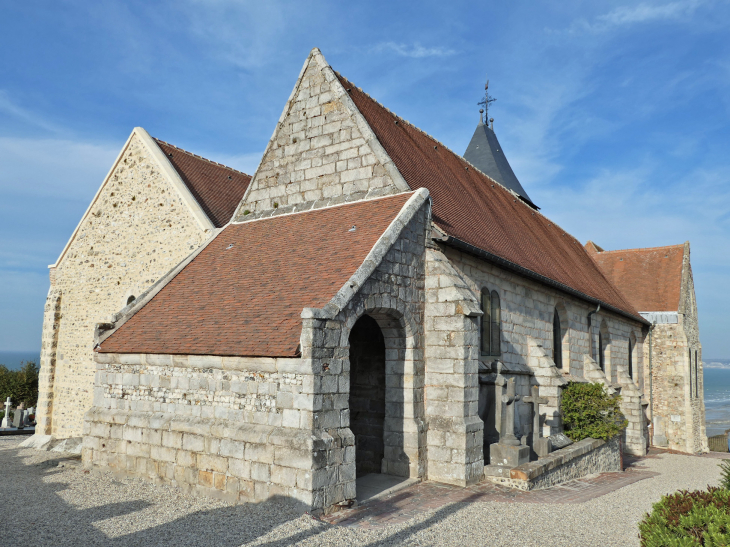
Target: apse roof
(650,278)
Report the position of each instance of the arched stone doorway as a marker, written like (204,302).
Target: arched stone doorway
(367,395)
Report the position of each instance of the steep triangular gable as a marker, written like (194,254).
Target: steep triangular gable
(322,152)
(167,171)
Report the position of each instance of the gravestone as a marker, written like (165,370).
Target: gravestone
(559,440)
(6,419)
(18,418)
(540,445)
(509,451)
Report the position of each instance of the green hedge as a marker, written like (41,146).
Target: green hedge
(588,411)
(687,519)
(20,385)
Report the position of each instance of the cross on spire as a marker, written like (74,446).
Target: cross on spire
(485,102)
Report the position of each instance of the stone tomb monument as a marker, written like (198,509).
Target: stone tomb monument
(541,446)
(509,451)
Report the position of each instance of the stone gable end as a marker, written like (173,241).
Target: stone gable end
(138,228)
(322,152)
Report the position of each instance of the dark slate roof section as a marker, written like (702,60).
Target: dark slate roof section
(217,188)
(485,217)
(244,293)
(485,153)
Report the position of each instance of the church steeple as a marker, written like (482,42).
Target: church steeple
(485,153)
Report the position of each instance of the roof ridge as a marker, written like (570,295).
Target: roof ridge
(641,249)
(200,157)
(460,157)
(325,207)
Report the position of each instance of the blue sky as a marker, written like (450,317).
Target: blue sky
(614,115)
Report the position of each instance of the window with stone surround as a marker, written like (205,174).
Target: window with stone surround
(632,345)
(557,341)
(491,327)
(691,376)
(697,383)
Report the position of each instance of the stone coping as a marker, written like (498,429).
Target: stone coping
(212,427)
(532,470)
(291,365)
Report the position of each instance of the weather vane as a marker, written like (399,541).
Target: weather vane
(485,102)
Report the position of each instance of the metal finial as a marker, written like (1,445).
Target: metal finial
(481,115)
(486,100)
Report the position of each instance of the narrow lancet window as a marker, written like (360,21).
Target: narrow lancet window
(601,359)
(631,360)
(486,336)
(496,325)
(557,341)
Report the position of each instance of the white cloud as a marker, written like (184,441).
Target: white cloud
(415,51)
(54,167)
(624,16)
(11,108)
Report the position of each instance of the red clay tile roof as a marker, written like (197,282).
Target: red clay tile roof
(471,207)
(247,300)
(217,188)
(651,278)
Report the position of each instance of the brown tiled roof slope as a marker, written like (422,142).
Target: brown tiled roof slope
(247,300)
(217,188)
(650,278)
(473,208)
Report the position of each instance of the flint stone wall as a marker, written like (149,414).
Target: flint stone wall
(583,458)
(137,230)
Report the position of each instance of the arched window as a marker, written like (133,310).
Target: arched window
(691,376)
(491,331)
(697,384)
(631,359)
(557,341)
(496,325)
(486,337)
(601,360)
(130,299)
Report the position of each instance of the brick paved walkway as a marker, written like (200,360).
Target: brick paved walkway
(414,500)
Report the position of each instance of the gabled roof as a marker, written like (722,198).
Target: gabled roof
(217,188)
(485,153)
(244,293)
(650,278)
(481,216)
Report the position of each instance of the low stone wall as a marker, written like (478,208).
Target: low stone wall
(573,462)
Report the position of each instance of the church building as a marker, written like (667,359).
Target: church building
(367,302)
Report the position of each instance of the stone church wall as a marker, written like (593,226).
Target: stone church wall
(679,410)
(137,230)
(527,322)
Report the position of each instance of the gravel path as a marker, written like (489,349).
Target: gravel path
(49,500)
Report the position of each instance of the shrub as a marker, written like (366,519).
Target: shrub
(688,518)
(725,474)
(588,411)
(20,385)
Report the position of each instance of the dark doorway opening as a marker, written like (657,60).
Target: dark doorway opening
(367,394)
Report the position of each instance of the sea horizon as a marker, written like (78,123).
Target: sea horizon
(15,359)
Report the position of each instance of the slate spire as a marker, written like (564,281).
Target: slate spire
(485,153)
